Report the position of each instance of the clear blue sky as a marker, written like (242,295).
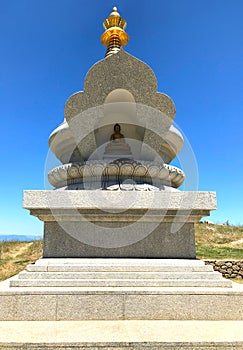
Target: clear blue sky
(195,49)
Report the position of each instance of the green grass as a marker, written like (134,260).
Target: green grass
(216,252)
(219,241)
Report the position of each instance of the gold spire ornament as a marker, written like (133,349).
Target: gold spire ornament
(114,36)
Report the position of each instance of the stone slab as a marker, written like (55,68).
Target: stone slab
(7,306)
(31,307)
(120,275)
(117,264)
(183,307)
(119,268)
(157,200)
(120,283)
(141,240)
(90,307)
(121,303)
(170,335)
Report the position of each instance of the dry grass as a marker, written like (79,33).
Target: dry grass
(219,241)
(221,235)
(15,256)
(237,280)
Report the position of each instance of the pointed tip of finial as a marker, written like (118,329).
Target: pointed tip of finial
(114,12)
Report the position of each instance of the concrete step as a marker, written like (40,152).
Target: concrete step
(120,261)
(67,300)
(117,268)
(120,275)
(121,283)
(129,335)
(119,265)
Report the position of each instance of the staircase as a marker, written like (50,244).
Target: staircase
(120,273)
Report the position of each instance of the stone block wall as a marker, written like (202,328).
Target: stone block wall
(228,268)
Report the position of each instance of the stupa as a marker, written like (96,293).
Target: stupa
(118,232)
(118,136)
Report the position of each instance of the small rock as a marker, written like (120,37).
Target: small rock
(228,264)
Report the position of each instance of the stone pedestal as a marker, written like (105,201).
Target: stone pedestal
(121,224)
(160,243)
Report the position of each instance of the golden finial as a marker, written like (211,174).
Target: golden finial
(114,36)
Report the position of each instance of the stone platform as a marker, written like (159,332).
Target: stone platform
(121,335)
(120,289)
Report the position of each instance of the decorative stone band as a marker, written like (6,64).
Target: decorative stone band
(100,174)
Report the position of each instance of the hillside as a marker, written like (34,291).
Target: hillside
(219,241)
(212,242)
(15,256)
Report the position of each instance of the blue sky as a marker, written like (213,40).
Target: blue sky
(195,49)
